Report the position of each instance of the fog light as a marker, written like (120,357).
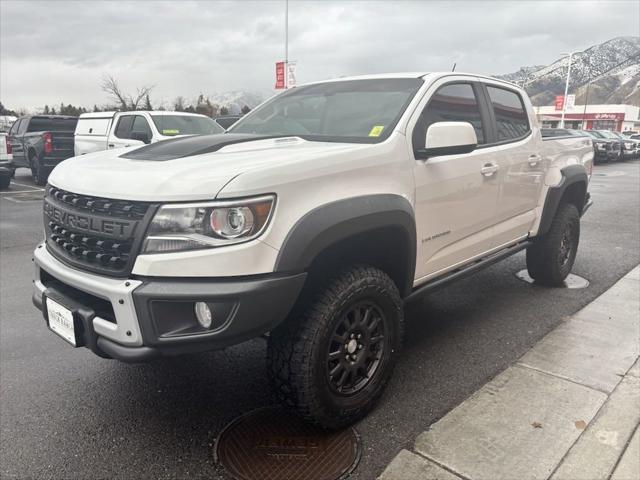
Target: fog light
(203,314)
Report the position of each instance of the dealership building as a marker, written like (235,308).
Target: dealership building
(594,117)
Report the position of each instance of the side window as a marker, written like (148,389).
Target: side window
(123,129)
(14,128)
(140,125)
(455,102)
(512,121)
(23,126)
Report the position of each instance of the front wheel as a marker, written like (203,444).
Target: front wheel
(551,257)
(332,359)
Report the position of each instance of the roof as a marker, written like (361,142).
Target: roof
(411,75)
(154,112)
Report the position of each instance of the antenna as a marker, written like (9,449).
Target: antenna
(454,67)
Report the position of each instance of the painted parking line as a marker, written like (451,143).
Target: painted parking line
(28,186)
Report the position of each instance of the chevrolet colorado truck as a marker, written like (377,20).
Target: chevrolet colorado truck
(310,223)
(107,130)
(40,142)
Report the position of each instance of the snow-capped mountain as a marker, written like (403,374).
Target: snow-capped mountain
(610,71)
(235,100)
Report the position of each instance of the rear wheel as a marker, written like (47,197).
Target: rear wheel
(551,258)
(5,181)
(39,173)
(331,360)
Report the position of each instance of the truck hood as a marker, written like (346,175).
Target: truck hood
(184,174)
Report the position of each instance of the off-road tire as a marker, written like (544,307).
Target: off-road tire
(5,181)
(298,350)
(551,257)
(39,173)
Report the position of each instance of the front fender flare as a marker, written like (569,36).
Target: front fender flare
(336,221)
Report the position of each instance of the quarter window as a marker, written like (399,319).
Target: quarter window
(511,117)
(451,103)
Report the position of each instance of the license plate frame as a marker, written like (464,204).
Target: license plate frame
(62,321)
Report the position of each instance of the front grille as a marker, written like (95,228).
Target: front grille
(94,233)
(118,208)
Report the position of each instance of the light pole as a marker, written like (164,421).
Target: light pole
(286,44)
(566,87)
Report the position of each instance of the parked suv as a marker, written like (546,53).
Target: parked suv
(40,142)
(315,218)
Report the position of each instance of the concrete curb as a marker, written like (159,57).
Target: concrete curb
(568,409)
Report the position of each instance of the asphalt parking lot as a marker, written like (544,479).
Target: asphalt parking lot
(66,413)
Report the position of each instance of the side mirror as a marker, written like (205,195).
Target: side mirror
(448,138)
(140,136)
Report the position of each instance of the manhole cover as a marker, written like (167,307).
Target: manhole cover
(272,444)
(572,281)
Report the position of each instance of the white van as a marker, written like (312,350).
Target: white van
(107,130)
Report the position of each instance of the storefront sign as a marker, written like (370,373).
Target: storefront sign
(559,102)
(280,75)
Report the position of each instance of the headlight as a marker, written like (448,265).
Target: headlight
(193,226)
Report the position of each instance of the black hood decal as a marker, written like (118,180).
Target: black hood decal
(193,145)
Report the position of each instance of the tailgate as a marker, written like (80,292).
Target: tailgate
(62,144)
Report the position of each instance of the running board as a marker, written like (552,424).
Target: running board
(467,269)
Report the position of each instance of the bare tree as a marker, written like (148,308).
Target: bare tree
(123,100)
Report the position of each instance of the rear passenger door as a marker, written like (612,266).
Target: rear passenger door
(456,197)
(516,150)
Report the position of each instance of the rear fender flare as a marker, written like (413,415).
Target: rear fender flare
(571,175)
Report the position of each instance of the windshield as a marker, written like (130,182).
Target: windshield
(170,125)
(357,111)
(606,134)
(594,134)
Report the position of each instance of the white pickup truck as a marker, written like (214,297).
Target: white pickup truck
(107,130)
(7,169)
(314,219)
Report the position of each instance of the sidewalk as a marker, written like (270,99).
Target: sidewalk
(569,409)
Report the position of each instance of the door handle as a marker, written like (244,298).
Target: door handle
(534,159)
(489,169)
(111,145)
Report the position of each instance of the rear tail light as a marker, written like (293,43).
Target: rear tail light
(48,144)
(8,143)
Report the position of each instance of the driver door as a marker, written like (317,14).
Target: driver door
(456,195)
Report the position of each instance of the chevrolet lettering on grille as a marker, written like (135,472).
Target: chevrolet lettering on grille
(105,226)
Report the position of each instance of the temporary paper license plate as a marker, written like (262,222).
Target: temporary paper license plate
(61,321)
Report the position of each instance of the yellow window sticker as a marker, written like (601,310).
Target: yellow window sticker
(171,132)
(376,131)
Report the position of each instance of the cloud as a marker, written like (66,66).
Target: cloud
(57,51)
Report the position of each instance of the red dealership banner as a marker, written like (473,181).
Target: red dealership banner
(280,75)
(559,102)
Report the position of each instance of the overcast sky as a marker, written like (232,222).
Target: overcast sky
(58,51)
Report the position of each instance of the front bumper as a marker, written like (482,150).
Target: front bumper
(142,318)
